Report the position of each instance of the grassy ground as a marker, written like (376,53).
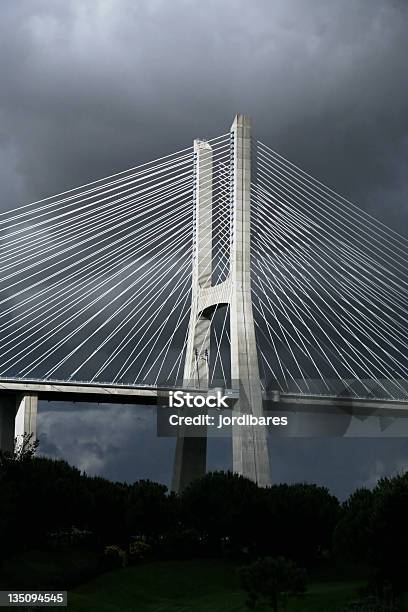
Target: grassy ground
(174,586)
(197,586)
(36,569)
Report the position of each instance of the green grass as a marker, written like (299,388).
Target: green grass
(36,569)
(325,597)
(194,586)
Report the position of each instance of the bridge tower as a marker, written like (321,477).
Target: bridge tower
(249,444)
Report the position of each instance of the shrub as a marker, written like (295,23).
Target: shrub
(138,550)
(273,580)
(114,557)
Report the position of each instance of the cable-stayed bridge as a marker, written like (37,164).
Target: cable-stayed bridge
(223,264)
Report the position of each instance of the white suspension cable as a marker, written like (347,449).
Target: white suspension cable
(340,199)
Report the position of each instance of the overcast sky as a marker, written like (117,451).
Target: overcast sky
(91,87)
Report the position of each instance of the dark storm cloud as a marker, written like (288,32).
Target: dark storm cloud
(119,442)
(116,441)
(90,88)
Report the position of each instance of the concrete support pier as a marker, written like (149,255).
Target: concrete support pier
(18,416)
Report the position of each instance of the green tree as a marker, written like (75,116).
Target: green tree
(389,531)
(299,522)
(272,580)
(374,529)
(24,450)
(149,510)
(353,532)
(225,509)
(105,513)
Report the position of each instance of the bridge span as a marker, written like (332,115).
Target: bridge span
(19,401)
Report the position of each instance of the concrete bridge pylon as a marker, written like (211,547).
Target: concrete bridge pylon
(249,444)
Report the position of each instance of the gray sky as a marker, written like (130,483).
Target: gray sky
(88,88)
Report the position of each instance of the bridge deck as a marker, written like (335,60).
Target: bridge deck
(82,391)
(96,392)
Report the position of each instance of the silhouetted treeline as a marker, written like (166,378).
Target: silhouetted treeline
(221,514)
(373,528)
